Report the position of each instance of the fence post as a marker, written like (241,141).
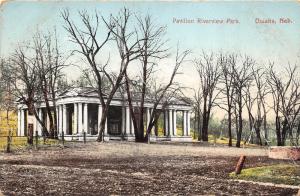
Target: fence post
(36,139)
(240,165)
(8,142)
(63,138)
(84,137)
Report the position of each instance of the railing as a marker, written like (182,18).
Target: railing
(9,143)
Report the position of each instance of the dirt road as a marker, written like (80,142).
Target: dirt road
(130,168)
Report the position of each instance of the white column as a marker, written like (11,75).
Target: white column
(47,121)
(147,117)
(22,123)
(40,113)
(105,128)
(85,118)
(132,127)
(166,123)
(75,125)
(80,130)
(19,122)
(99,116)
(64,119)
(60,109)
(99,119)
(174,123)
(57,119)
(184,127)
(170,123)
(127,130)
(188,123)
(123,120)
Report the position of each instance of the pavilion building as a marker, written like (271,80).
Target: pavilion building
(79,110)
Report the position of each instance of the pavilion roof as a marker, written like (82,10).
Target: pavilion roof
(92,92)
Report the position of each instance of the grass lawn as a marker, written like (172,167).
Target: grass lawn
(21,142)
(278,174)
(225,141)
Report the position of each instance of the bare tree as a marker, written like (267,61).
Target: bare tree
(197,104)
(286,101)
(117,29)
(7,98)
(152,48)
(249,101)
(90,46)
(165,93)
(209,72)
(242,77)
(260,119)
(25,80)
(49,62)
(227,64)
(254,98)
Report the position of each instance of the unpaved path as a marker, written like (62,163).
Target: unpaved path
(130,168)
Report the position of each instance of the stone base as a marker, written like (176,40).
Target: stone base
(172,138)
(181,138)
(284,152)
(79,137)
(119,138)
(153,138)
(130,138)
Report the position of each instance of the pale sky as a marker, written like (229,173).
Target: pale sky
(276,42)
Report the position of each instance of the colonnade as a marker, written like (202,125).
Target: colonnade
(81,121)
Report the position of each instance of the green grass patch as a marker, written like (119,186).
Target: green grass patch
(21,142)
(220,140)
(278,174)
(225,141)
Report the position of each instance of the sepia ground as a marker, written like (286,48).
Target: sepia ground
(121,168)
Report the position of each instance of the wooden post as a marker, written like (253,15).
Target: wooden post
(30,134)
(84,137)
(63,138)
(240,164)
(8,145)
(36,139)
(8,149)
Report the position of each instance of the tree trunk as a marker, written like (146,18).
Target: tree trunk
(102,124)
(199,127)
(265,129)
(205,131)
(139,132)
(284,131)
(55,114)
(250,126)
(257,130)
(48,109)
(229,129)
(240,121)
(205,121)
(278,134)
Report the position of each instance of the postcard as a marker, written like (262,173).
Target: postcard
(149,97)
